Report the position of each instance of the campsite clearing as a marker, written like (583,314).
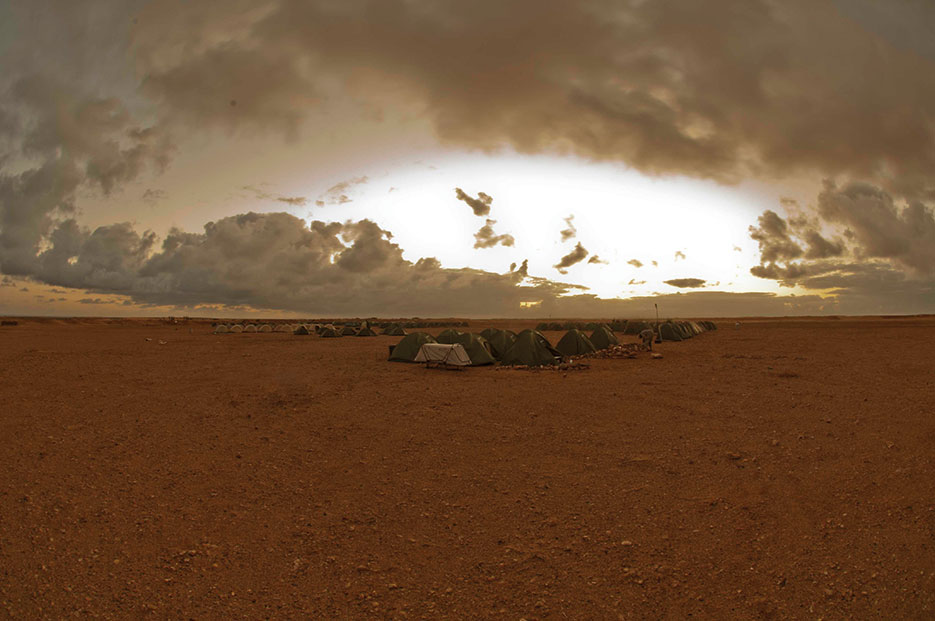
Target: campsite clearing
(784,468)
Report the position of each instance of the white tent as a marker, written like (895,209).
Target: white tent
(444,354)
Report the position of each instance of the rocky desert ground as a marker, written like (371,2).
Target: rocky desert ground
(780,470)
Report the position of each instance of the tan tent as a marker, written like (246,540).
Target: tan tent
(443,353)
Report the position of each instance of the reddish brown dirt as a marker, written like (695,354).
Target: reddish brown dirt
(783,469)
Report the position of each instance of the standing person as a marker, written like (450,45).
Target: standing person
(646,336)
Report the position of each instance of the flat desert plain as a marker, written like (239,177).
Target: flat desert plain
(783,469)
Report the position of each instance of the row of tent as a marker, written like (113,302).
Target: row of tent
(529,347)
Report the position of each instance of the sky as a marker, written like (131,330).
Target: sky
(497,158)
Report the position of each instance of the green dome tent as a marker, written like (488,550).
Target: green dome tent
(500,341)
(394,330)
(477,348)
(366,331)
(301,330)
(406,349)
(236,328)
(667,332)
(265,328)
(448,337)
(488,332)
(249,328)
(603,337)
(575,343)
(221,329)
(329,333)
(531,349)
(348,331)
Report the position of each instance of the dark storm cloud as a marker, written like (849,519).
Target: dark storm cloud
(773,236)
(596,260)
(276,261)
(480,205)
(879,228)
(487,238)
(685,283)
(67,143)
(570,231)
(578,254)
(720,89)
(883,259)
(635,263)
(871,224)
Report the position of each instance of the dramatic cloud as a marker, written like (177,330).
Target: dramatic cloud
(480,205)
(879,229)
(720,90)
(577,255)
(71,143)
(685,283)
(774,240)
(93,100)
(277,261)
(487,238)
(883,261)
(596,260)
(679,255)
(571,231)
(868,218)
(635,263)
